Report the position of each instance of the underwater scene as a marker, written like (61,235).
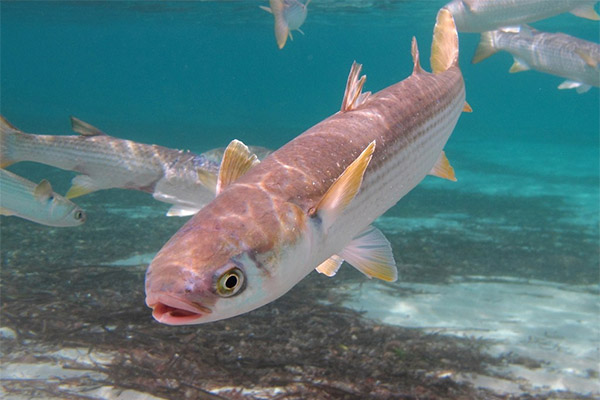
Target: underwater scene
(489,286)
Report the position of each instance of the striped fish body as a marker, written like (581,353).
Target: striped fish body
(558,54)
(487,15)
(36,202)
(181,178)
(266,231)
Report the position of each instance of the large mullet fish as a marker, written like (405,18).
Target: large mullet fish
(311,203)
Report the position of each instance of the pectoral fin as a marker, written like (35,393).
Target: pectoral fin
(43,191)
(343,190)
(85,129)
(237,160)
(587,58)
(443,169)
(371,253)
(578,86)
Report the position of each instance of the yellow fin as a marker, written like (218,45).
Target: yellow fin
(518,66)
(353,96)
(589,60)
(43,191)
(85,129)
(485,48)
(207,179)
(467,108)
(371,253)
(237,160)
(7,136)
(586,11)
(444,47)
(443,169)
(414,51)
(6,211)
(282,30)
(343,190)
(330,266)
(76,191)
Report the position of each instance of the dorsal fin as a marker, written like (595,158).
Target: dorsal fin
(353,96)
(444,46)
(343,190)
(237,160)
(414,51)
(85,129)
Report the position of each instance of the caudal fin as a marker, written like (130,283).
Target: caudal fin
(444,47)
(8,134)
(485,48)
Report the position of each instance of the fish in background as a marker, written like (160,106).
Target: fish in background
(289,15)
(311,203)
(184,179)
(487,15)
(553,53)
(38,203)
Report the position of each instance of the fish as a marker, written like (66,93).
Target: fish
(289,15)
(38,203)
(553,53)
(488,15)
(311,204)
(181,178)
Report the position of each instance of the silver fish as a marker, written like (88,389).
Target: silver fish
(181,178)
(311,203)
(487,15)
(553,53)
(38,203)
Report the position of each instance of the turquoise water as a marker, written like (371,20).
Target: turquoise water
(195,75)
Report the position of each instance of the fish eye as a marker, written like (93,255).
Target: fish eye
(79,215)
(230,282)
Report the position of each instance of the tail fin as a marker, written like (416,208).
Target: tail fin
(485,48)
(444,47)
(7,136)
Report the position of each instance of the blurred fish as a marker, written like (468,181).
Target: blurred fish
(487,15)
(37,203)
(289,15)
(553,53)
(184,179)
(311,203)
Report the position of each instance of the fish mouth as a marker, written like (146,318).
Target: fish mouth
(171,310)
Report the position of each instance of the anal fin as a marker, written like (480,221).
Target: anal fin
(81,185)
(443,169)
(330,266)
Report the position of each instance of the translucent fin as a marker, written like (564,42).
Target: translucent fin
(43,191)
(181,211)
(485,48)
(518,66)
(282,29)
(267,9)
(587,58)
(343,190)
(353,96)
(85,129)
(578,86)
(81,185)
(443,169)
(444,47)
(414,51)
(330,266)
(237,160)
(207,179)
(586,11)
(8,134)
(371,253)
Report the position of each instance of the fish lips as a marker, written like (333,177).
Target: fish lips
(171,310)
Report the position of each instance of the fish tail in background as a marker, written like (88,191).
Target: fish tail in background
(485,48)
(8,135)
(282,29)
(586,11)
(444,47)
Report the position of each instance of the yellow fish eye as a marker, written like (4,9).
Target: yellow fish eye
(230,282)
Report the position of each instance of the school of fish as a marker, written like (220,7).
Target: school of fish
(261,220)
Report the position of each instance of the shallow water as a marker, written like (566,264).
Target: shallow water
(499,272)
